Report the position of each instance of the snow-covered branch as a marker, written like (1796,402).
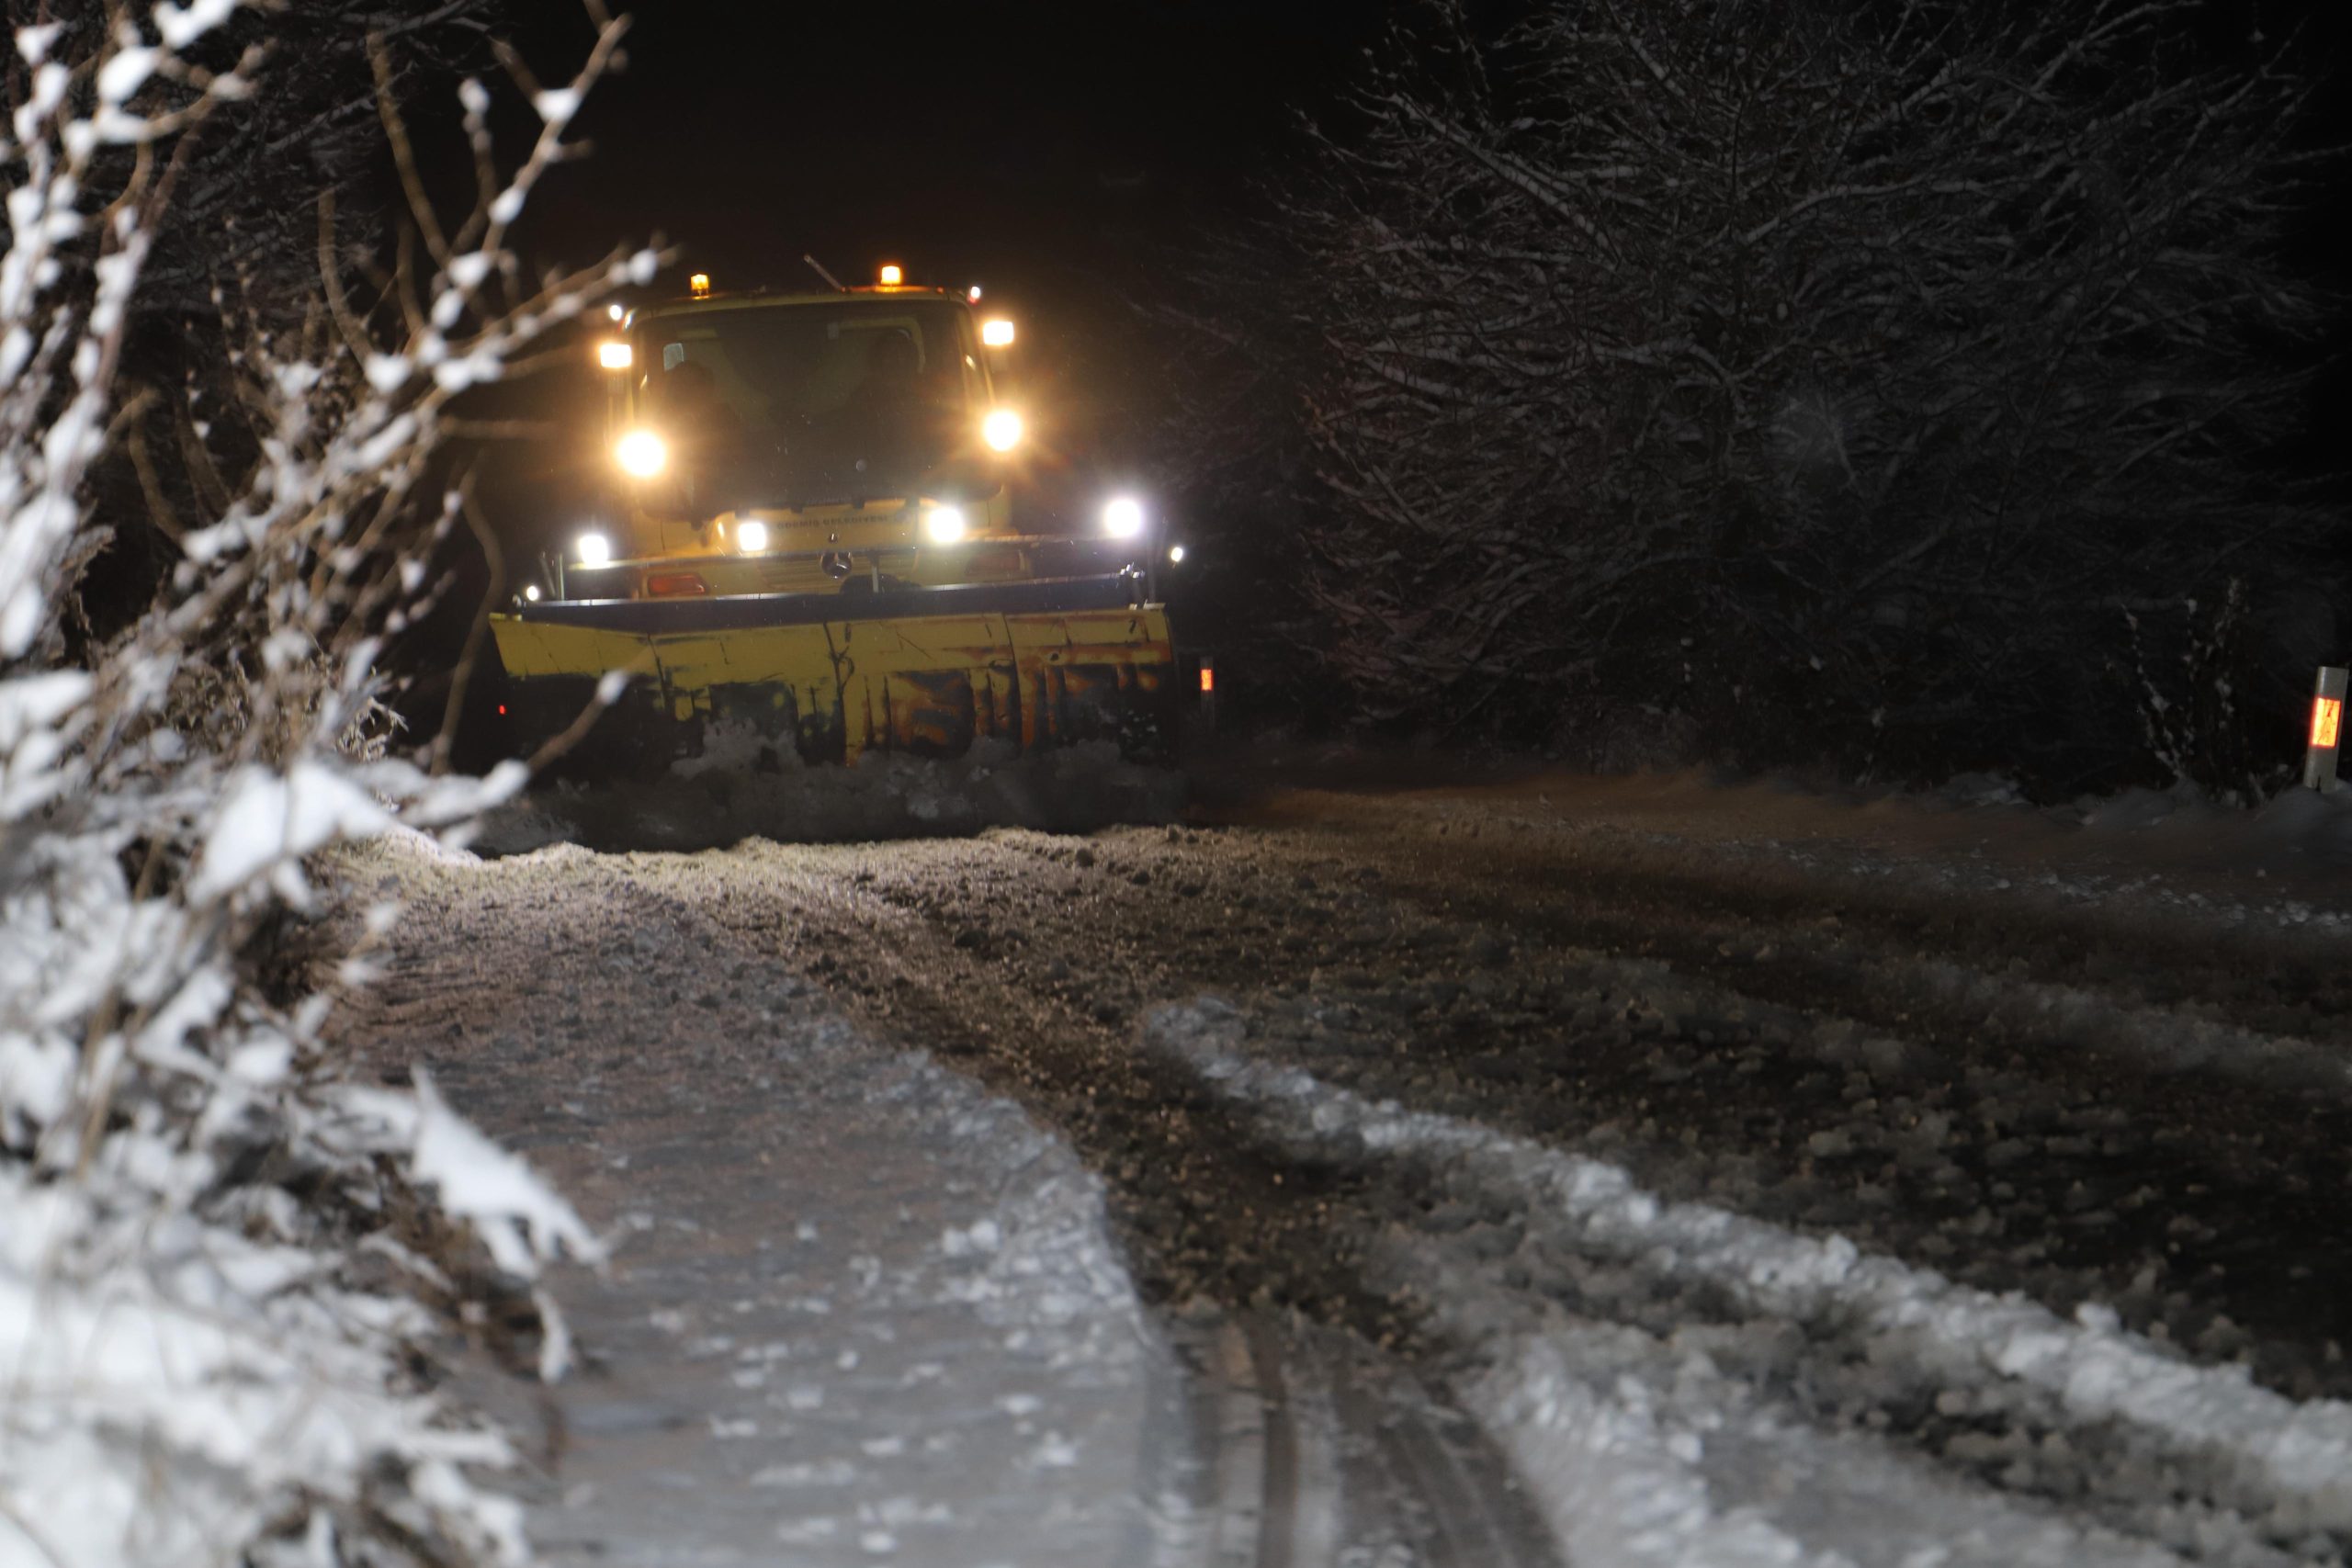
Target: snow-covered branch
(204,1363)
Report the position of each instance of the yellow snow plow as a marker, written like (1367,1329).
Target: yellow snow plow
(820,531)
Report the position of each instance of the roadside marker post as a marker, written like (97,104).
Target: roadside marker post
(2328,729)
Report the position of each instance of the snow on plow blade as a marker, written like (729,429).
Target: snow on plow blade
(922,670)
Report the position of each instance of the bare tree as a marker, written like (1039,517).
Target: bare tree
(1847,378)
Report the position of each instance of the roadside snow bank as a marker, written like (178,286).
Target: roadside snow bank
(862,1309)
(724,798)
(2298,820)
(1640,1452)
(2279,863)
(176,1392)
(1572,1251)
(199,1366)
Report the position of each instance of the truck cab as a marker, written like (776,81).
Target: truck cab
(818,516)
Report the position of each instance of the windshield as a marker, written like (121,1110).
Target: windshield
(792,405)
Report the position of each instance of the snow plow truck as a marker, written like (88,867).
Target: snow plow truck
(818,531)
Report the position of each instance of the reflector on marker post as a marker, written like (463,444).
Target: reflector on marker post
(2328,729)
(1208,693)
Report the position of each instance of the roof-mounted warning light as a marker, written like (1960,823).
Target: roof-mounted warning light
(892,275)
(699,286)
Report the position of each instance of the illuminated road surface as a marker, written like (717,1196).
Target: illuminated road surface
(1553,1172)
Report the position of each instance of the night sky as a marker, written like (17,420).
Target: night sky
(1030,146)
(1024,142)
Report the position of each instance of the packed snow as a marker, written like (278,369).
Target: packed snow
(1637,1406)
(856,1310)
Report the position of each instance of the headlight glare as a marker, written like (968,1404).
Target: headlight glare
(1123,517)
(943,524)
(751,537)
(641,454)
(1001,430)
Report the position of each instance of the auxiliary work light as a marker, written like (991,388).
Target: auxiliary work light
(943,524)
(1123,517)
(997,333)
(615,355)
(595,549)
(752,537)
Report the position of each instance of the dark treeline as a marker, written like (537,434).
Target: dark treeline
(1902,387)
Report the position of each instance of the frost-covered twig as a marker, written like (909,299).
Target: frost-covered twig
(195,1362)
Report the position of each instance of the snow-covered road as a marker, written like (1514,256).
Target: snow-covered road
(1558,1171)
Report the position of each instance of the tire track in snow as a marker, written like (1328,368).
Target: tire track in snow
(1275,1494)
(2183,1201)
(2204,1432)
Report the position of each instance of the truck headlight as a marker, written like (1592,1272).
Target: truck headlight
(943,524)
(1123,517)
(641,454)
(1001,430)
(595,550)
(751,537)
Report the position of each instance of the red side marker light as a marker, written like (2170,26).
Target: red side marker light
(672,584)
(501,710)
(2327,721)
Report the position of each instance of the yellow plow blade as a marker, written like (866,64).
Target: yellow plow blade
(928,684)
